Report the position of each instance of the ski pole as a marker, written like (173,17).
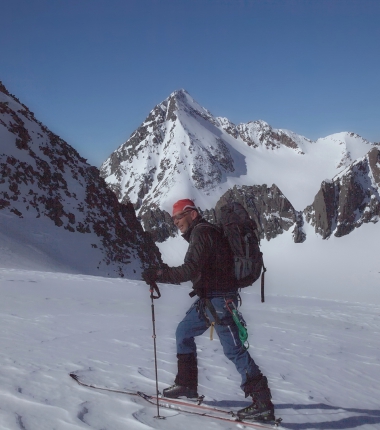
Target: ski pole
(154,288)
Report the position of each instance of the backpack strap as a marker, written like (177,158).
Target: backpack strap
(212,310)
(208,224)
(246,240)
(203,224)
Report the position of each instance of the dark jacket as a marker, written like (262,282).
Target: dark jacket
(208,262)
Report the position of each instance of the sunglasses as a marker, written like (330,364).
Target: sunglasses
(181,215)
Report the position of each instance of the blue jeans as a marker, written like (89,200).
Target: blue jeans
(196,323)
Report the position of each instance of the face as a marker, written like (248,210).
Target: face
(183,220)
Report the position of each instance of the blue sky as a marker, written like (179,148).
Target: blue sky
(91,70)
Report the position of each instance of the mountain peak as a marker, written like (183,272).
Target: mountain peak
(180,146)
(179,93)
(181,97)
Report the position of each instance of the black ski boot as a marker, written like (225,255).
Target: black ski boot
(186,381)
(176,391)
(262,408)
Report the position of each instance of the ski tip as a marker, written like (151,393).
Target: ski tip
(74,376)
(143,395)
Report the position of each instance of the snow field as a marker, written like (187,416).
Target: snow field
(321,356)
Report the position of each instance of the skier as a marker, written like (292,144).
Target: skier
(209,265)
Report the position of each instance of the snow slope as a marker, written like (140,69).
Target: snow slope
(321,355)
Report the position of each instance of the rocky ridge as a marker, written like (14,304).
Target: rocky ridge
(42,178)
(260,133)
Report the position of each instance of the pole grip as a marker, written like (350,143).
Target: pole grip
(154,288)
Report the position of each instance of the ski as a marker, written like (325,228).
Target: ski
(96,387)
(194,407)
(202,410)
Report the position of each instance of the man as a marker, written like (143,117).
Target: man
(209,265)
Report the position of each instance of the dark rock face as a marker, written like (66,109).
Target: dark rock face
(349,200)
(268,207)
(323,212)
(42,176)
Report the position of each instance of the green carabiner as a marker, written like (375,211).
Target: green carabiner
(243,333)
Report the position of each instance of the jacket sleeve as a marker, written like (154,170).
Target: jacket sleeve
(200,247)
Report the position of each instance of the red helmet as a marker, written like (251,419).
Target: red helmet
(182,205)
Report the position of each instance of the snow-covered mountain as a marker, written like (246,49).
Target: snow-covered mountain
(179,146)
(55,202)
(182,150)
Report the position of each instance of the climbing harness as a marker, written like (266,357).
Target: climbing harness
(236,315)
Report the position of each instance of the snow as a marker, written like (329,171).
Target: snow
(37,243)
(315,337)
(299,176)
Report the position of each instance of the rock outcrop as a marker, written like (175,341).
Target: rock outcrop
(267,206)
(349,199)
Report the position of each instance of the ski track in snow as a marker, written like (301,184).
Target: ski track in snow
(321,356)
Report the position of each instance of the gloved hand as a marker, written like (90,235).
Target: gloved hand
(150,275)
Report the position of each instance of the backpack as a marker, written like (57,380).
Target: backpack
(243,238)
